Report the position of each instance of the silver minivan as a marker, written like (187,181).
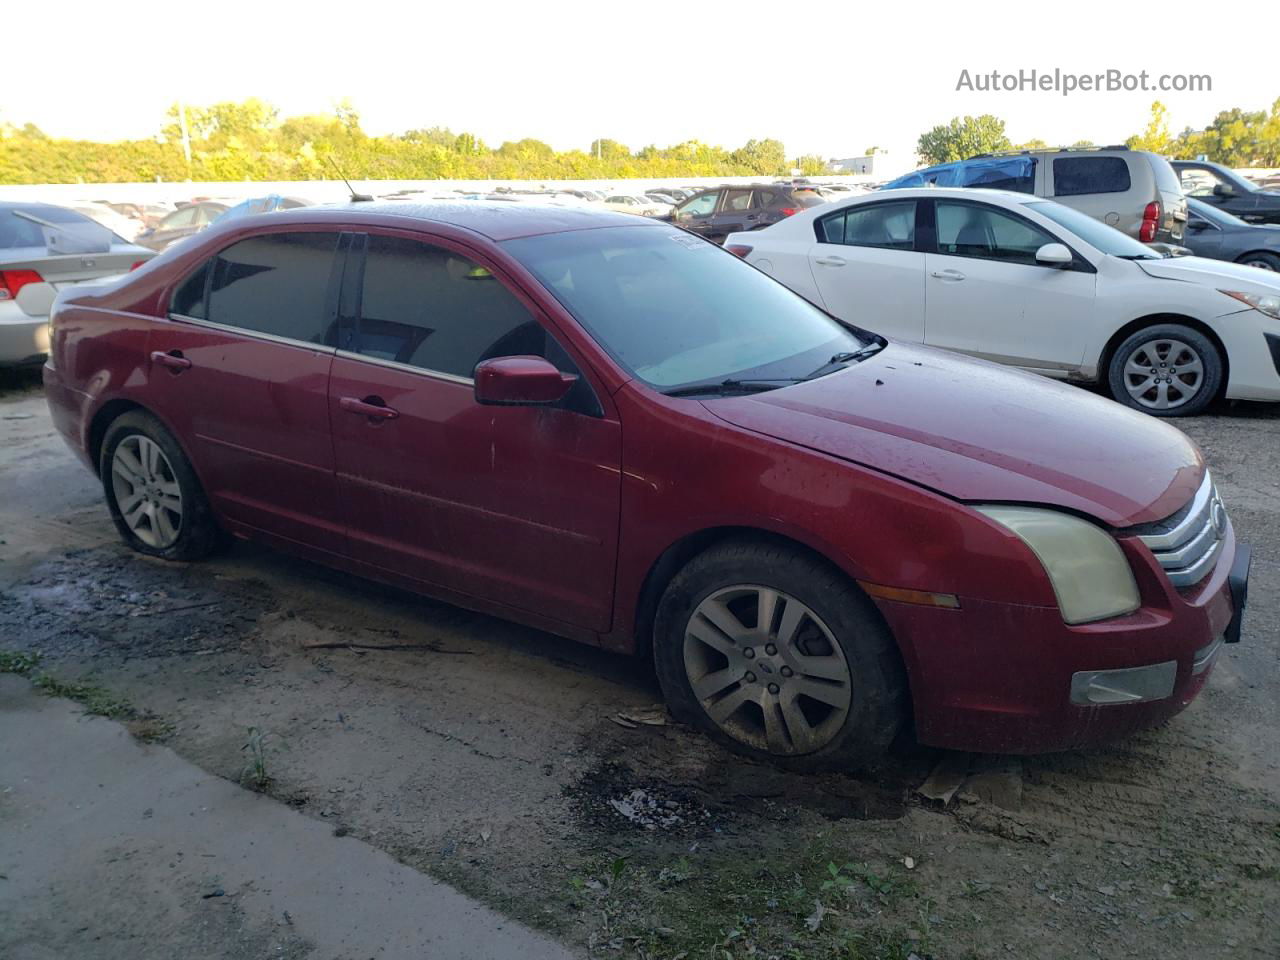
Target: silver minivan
(1132,190)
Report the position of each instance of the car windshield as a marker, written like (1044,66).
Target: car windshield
(677,311)
(1100,236)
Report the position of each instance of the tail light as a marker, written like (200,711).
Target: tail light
(1150,221)
(789,211)
(739,249)
(137,265)
(11,281)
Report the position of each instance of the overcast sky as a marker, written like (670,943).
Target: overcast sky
(832,80)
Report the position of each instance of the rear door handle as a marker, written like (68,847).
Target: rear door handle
(947,274)
(831,261)
(373,407)
(174,360)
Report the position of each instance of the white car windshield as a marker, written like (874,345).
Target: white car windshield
(1100,236)
(679,312)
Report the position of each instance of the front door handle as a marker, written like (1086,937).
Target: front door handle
(174,360)
(947,274)
(372,406)
(831,261)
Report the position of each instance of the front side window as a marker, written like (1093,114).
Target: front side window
(678,311)
(1074,176)
(276,284)
(974,230)
(998,173)
(699,206)
(891,226)
(1199,181)
(431,308)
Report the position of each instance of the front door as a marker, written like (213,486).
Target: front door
(513,505)
(697,213)
(240,370)
(986,295)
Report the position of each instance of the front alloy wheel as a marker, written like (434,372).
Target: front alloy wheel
(1166,370)
(767,670)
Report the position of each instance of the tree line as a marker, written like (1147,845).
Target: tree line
(1235,137)
(249,140)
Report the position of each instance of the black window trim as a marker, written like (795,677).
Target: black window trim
(1078,263)
(916,247)
(359,249)
(330,303)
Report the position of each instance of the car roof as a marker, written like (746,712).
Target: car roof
(951,193)
(496,220)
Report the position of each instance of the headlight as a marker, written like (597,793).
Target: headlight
(1088,571)
(1267,303)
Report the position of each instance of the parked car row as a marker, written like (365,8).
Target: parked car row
(611,429)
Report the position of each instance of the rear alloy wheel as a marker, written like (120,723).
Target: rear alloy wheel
(152,491)
(1263,261)
(1167,370)
(780,656)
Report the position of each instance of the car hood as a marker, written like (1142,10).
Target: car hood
(1211,272)
(978,432)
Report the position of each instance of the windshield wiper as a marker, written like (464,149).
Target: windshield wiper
(731,386)
(840,360)
(1140,256)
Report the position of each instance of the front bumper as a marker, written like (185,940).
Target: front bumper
(999,677)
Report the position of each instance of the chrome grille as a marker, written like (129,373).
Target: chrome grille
(1187,543)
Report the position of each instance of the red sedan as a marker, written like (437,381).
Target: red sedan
(615,431)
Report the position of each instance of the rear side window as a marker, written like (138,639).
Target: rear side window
(428,307)
(736,201)
(890,226)
(999,173)
(1075,176)
(275,284)
(765,198)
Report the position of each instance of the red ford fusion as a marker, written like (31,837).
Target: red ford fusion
(617,432)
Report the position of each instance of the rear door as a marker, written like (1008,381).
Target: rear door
(240,370)
(513,505)
(867,269)
(735,214)
(986,295)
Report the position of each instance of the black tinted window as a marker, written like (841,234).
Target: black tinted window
(888,225)
(276,284)
(188,299)
(998,173)
(765,198)
(1073,176)
(433,309)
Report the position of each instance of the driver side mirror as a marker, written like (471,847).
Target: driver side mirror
(520,382)
(1054,255)
(1224,190)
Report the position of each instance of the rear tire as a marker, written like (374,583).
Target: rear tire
(1262,260)
(1166,370)
(819,685)
(152,491)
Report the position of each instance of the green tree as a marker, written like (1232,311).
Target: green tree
(962,138)
(810,165)
(767,157)
(1156,136)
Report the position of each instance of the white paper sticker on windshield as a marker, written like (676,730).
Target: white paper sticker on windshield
(690,241)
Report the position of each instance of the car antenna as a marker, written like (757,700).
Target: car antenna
(355,197)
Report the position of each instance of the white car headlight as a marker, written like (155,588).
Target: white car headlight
(1268,304)
(1089,573)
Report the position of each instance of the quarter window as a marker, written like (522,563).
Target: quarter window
(970,230)
(276,284)
(1075,176)
(891,226)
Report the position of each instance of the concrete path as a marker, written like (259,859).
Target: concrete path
(114,849)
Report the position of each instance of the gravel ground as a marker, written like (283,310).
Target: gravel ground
(493,757)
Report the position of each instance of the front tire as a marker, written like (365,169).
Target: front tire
(152,491)
(1166,370)
(779,656)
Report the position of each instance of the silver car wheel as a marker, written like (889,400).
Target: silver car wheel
(1163,374)
(146,491)
(767,670)
(1261,264)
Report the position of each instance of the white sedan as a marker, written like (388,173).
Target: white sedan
(1029,282)
(633,203)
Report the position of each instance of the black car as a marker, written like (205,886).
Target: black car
(1217,234)
(1227,190)
(720,211)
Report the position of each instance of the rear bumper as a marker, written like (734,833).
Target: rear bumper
(1007,678)
(68,409)
(24,339)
